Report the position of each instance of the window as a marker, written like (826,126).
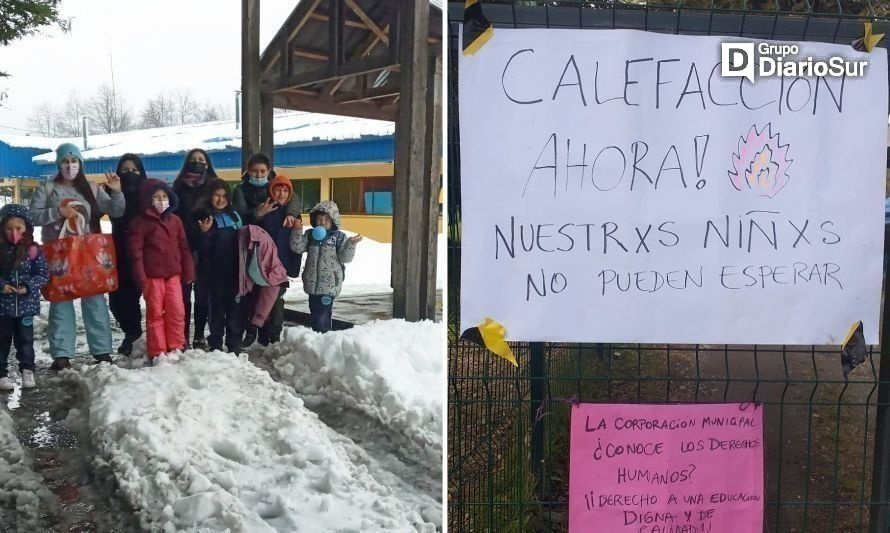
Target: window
(309,192)
(363,196)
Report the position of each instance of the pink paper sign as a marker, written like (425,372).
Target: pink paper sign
(666,468)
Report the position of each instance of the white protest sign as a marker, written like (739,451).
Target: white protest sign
(616,188)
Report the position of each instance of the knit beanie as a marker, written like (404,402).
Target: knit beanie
(66,149)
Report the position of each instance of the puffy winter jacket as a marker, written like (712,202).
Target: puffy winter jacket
(218,253)
(158,245)
(273,223)
(323,273)
(31,272)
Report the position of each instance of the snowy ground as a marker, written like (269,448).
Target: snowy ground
(377,369)
(212,442)
(334,432)
(22,494)
(341,434)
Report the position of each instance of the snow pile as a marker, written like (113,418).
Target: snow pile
(212,443)
(391,370)
(21,489)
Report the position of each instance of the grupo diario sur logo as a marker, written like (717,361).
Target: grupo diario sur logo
(764,59)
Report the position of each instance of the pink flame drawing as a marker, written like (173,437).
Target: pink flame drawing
(761,163)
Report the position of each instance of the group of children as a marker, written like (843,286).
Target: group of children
(234,250)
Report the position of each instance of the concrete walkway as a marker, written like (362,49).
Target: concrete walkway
(364,308)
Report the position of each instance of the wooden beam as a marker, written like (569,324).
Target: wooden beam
(335,35)
(283,37)
(310,54)
(351,23)
(363,50)
(368,21)
(324,104)
(387,91)
(267,127)
(250,79)
(353,68)
(431,186)
(286,60)
(304,92)
(411,170)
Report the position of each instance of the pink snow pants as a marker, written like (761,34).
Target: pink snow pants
(165,315)
(263,301)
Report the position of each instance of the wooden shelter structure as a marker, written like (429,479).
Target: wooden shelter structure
(376,59)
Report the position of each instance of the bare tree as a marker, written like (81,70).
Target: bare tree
(158,112)
(44,119)
(186,107)
(211,112)
(71,116)
(109,111)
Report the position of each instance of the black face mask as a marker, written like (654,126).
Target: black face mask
(197,167)
(129,175)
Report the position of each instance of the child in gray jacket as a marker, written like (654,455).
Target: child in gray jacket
(327,251)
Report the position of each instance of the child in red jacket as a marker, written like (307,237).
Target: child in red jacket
(161,262)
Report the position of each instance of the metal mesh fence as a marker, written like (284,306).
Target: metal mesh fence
(827,467)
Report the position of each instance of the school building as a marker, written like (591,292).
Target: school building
(344,159)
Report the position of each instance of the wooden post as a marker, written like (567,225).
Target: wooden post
(410,158)
(267,128)
(431,186)
(17,191)
(335,36)
(250,79)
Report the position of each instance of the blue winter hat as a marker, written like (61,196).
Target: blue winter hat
(66,149)
(16,210)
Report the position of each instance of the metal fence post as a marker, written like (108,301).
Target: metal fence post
(880,491)
(537,386)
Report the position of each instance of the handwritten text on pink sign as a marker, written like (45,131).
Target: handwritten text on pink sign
(666,468)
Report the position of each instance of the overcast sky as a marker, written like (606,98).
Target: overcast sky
(156,46)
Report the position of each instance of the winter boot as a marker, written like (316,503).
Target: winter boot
(6,384)
(126,347)
(28,379)
(263,338)
(60,363)
(199,343)
(104,358)
(249,336)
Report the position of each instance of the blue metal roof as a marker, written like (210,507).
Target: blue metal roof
(17,161)
(372,149)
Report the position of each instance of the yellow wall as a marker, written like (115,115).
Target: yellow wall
(377,227)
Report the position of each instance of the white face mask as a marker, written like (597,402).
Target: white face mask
(70,171)
(161,205)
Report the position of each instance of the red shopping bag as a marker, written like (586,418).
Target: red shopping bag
(79,265)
